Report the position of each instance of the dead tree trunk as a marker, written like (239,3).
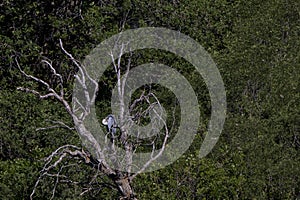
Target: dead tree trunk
(123,184)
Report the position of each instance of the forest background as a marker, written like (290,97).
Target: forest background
(256,46)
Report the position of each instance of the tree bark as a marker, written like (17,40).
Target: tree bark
(125,188)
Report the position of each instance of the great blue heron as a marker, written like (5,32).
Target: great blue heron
(111,124)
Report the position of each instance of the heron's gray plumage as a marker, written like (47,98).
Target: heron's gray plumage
(111,124)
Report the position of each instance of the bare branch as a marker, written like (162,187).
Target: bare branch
(126,74)
(58,75)
(70,56)
(32,77)
(36,93)
(153,158)
(60,125)
(56,182)
(52,92)
(89,97)
(136,101)
(61,152)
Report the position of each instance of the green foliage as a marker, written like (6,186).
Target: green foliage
(190,178)
(255,45)
(17,178)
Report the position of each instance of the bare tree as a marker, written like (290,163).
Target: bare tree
(97,156)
